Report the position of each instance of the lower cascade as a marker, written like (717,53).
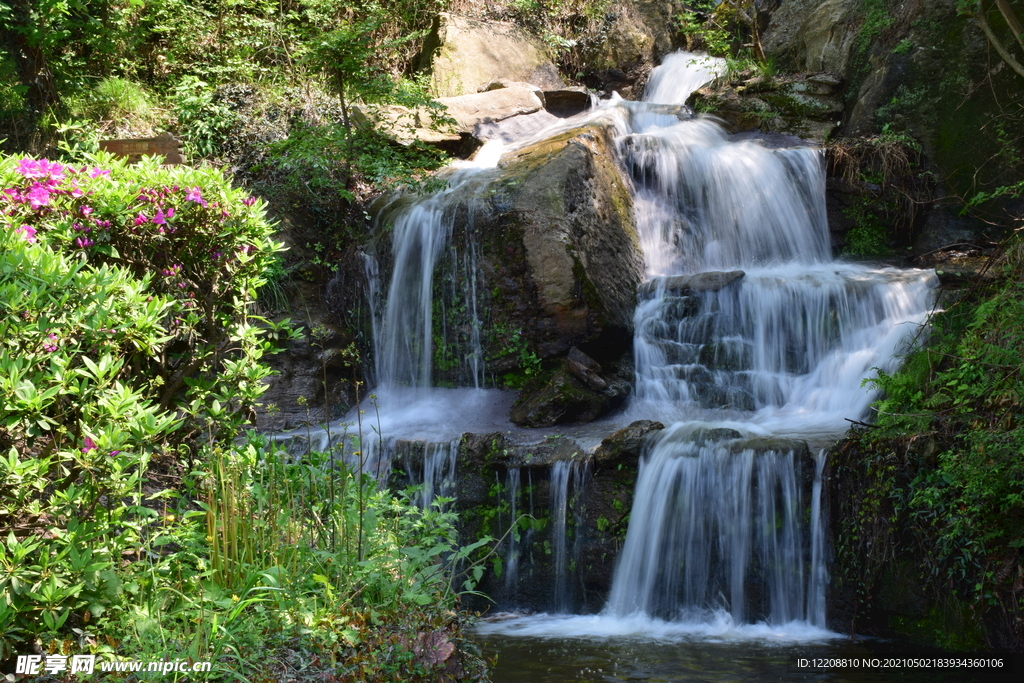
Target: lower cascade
(709,524)
(750,342)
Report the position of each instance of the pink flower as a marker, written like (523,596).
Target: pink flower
(196,195)
(249,201)
(86,210)
(89,445)
(97,172)
(161,218)
(38,196)
(27,232)
(83,242)
(141,219)
(30,168)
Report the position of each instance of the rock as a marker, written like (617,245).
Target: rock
(709,281)
(309,386)
(773,444)
(813,35)
(514,128)
(560,256)
(567,101)
(626,443)
(636,35)
(807,107)
(585,369)
(466,54)
(407,126)
(468,111)
(563,399)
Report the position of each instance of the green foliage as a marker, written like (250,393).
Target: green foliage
(202,120)
(726,29)
(124,296)
(123,293)
(876,20)
(512,346)
(186,233)
(870,236)
(943,468)
(315,162)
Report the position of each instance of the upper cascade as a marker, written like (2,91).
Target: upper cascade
(679,75)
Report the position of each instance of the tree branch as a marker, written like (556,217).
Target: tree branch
(999,47)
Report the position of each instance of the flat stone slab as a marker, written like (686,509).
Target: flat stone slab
(709,281)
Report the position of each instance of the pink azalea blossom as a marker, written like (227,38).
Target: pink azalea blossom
(161,218)
(83,242)
(30,168)
(89,445)
(97,172)
(27,232)
(141,219)
(249,201)
(196,195)
(38,196)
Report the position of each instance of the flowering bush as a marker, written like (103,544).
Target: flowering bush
(196,240)
(123,318)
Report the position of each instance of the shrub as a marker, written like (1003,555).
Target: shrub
(123,310)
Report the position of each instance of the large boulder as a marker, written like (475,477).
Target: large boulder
(814,35)
(463,55)
(634,37)
(561,257)
(469,111)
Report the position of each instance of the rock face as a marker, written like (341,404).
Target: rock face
(917,67)
(576,392)
(561,256)
(807,106)
(491,106)
(635,36)
(464,55)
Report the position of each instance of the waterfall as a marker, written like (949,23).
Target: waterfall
(512,548)
(705,520)
(566,479)
(745,318)
(680,74)
(746,327)
(421,228)
(438,472)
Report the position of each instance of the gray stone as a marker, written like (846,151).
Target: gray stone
(490,106)
(563,399)
(627,443)
(464,55)
(709,281)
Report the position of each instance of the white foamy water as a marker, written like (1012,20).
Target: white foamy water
(726,541)
(713,626)
(679,75)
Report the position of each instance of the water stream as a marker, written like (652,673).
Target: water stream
(746,327)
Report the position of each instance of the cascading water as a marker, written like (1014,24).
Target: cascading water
(745,328)
(748,328)
(566,485)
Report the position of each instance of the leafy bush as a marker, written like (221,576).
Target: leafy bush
(124,296)
(941,474)
(191,237)
(128,342)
